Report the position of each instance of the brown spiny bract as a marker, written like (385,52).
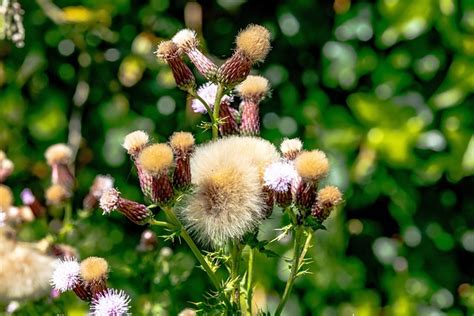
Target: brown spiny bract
(312,165)
(254,41)
(6,197)
(56,194)
(156,159)
(58,154)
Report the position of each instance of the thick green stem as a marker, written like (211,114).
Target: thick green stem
(236,254)
(301,246)
(249,282)
(215,115)
(184,234)
(162,224)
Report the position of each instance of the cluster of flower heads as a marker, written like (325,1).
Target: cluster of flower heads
(11,22)
(88,280)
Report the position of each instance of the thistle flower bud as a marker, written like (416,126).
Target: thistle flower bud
(94,272)
(328,198)
(182,144)
(56,195)
(253,45)
(111,302)
(187,42)
(6,198)
(252,90)
(312,166)
(134,211)
(169,52)
(290,148)
(100,185)
(148,241)
(156,160)
(134,142)
(279,177)
(6,167)
(28,198)
(59,157)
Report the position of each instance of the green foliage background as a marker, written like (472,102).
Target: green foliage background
(385,88)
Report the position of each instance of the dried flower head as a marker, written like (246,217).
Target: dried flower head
(279,176)
(111,302)
(58,154)
(109,201)
(228,200)
(94,272)
(56,194)
(186,40)
(134,211)
(156,159)
(328,197)
(169,51)
(290,148)
(253,87)
(66,274)
(312,165)
(100,185)
(6,197)
(254,40)
(181,141)
(182,144)
(208,93)
(135,141)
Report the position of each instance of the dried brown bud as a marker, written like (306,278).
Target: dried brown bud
(183,76)
(328,198)
(134,211)
(182,144)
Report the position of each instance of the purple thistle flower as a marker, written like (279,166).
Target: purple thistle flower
(66,275)
(111,302)
(208,92)
(279,176)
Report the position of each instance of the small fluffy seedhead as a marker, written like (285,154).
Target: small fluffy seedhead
(208,93)
(156,159)
(94,268)
(167,50)
(6,197)
(66,274)
(186,40)
(135,141)
(58,154)
(109,200)
(312,165)
(254,87)
(279,176)
(112,302)
(181,141)
(101,184)
(56,194)
(329,196)
(254,41)
(289,146)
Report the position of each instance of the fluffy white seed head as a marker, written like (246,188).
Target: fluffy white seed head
(135,141)
(112,302)
(109,200)
(186,40)
(208,93)
(280,175)
(66,274)
(254,87)
(292,145)
(58,154)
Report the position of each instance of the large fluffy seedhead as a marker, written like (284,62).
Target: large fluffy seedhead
(156,159)
(135,141)
(66,274)
(167,50)
(254,87)
(6,197)
(208,93)
(182,141)
(93,269)
(109,200)
(279,176)
(56,194)
(112,302)
(312,165)
(290,148)
(254,41)
(58,154)
(186,40)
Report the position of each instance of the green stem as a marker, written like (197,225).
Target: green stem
(208,108)
(236,252)
(215,115)
(154,222)
(249,282)
(301,246)
(67,225)
(184,234)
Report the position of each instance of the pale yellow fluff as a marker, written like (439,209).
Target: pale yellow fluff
(291,145)
(329,196)
(56,194)
(6,197)
(181,140)
(58,154)
(94,268)
(135,141)
(254,41)
(156,159)
(312,165)
(253,87)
